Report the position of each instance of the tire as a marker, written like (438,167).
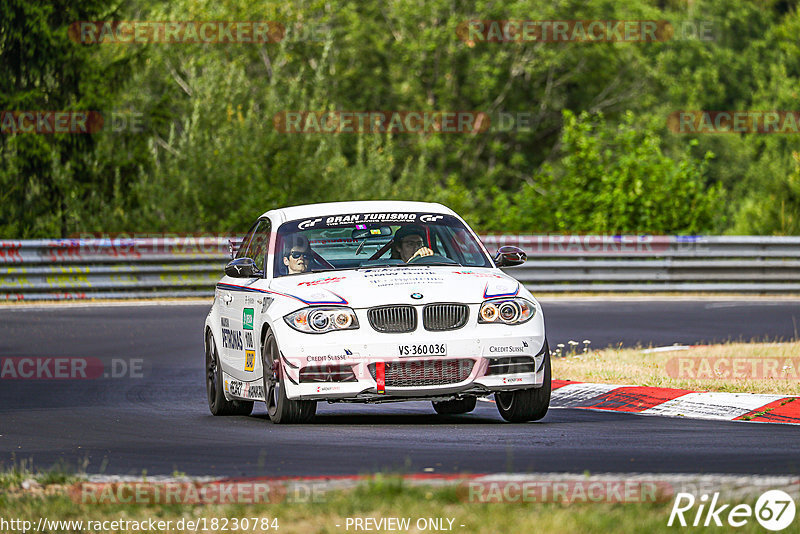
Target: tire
(215,388)
(527,404)
(281,410)
(455,406)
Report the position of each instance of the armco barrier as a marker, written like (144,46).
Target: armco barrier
(66,269)
(62,269)
(574,263)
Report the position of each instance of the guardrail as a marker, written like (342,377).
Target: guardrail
(60,269)
(740,264)
(66,269)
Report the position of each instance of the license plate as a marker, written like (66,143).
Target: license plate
(423,349)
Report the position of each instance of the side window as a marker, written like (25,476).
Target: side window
(259,244)
(246,241)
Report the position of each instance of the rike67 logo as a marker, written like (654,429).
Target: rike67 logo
(774,510)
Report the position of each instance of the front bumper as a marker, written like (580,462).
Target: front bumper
(343,366)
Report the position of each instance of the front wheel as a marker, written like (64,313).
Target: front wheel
(527,404)
(281,409)
(217,402)
(455,406)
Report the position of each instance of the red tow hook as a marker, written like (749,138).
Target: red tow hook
(380,376)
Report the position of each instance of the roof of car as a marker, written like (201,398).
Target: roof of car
(361,206)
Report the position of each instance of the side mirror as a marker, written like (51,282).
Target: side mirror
(242,268)
(509,256)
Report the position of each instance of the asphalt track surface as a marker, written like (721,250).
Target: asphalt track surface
(159,423)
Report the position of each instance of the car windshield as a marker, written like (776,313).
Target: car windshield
(364,240)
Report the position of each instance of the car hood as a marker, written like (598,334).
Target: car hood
(365,288)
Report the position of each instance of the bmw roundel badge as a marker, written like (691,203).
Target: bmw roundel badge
(416,296)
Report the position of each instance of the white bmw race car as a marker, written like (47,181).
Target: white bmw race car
(374,301)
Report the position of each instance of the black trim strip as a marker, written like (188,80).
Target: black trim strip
(287,362)
(545,346)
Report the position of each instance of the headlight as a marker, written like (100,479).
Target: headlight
(321,320)
(506,311)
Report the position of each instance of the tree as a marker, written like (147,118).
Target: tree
(616,179)
(45,177)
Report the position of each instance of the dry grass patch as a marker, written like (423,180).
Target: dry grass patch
(733,367)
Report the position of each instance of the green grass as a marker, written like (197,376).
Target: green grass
(20,471)
(381,496)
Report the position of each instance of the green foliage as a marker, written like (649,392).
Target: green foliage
(47,179)
(776,210)
(616,179)
(611,178)
(597,156)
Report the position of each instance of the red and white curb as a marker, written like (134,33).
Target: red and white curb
(646,400)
